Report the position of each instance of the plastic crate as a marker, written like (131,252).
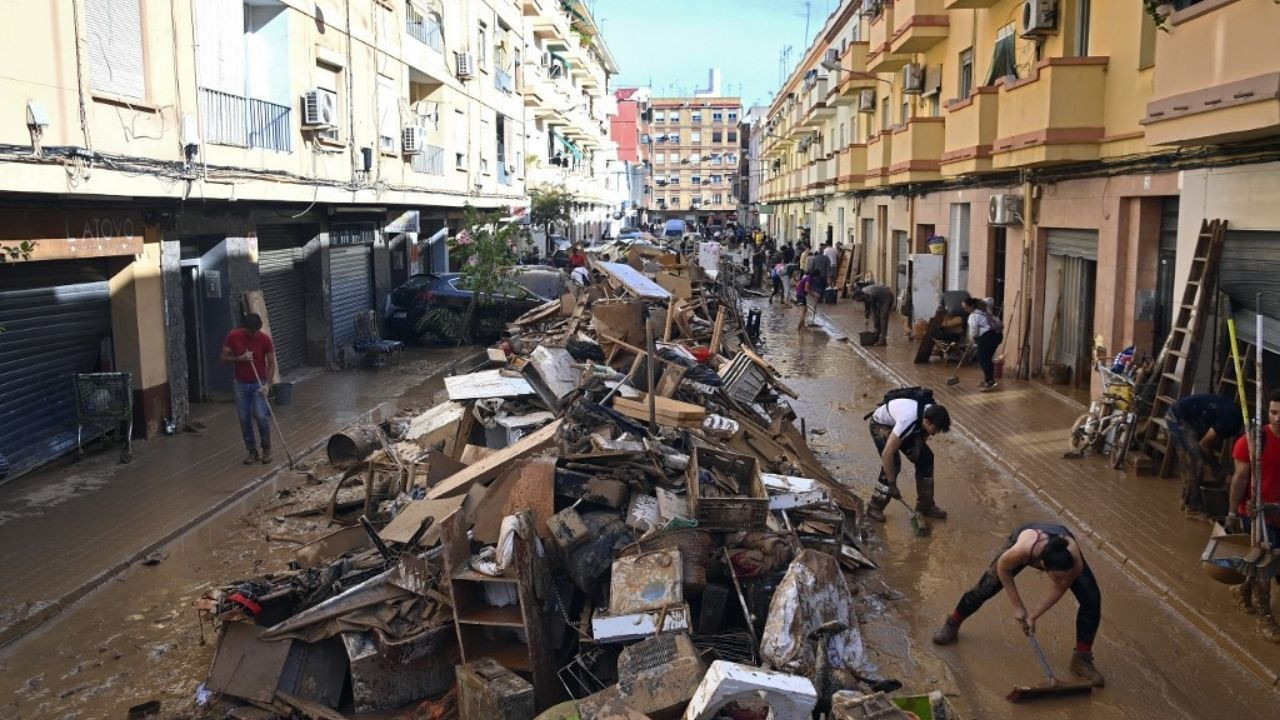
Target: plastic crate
(748,512)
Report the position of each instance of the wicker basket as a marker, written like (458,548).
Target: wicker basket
(695,548)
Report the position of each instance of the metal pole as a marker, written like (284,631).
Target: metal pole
(1255,457)
(650,361)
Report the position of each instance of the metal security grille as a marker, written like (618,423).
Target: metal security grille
(1074,243)
(55,317)
(280,275)
(1243,272)
(350,291)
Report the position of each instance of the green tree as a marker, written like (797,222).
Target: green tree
(21,251)
(485,248)
(548,206)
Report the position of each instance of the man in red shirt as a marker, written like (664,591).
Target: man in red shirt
(254,356)
(1255,596)
(576,258)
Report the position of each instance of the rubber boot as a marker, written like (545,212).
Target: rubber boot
(1082,666)
(1268,629)
(948,633)
(251,458)
(932,511)
(875,513)
(1243,596)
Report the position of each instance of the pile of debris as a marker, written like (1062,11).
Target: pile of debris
(615,517)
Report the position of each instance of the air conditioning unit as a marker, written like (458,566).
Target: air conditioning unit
(867,101)
(319,108)
(466,65)
(833,56)
(912,78)
(1005,209)
(1039,17)
(412,139)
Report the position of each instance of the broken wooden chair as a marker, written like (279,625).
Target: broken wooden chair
(369,343)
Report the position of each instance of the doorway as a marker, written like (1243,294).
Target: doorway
(999,254)
(1166,262)
(958,248)
(1071,281)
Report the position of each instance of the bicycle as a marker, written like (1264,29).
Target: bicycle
(1112,421)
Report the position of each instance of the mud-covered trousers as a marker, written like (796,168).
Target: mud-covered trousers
(916,448)
(1085,588)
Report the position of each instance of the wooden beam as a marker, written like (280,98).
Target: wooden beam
(489,467)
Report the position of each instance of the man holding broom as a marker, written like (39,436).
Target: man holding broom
(254,356)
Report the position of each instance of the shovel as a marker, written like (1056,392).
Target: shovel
(1054,688)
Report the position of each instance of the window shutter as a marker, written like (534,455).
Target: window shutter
(388,114)
(221,54)
(113,33)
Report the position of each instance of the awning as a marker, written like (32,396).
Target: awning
(570,147)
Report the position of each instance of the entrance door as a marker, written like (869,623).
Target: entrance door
(1075,254)
(901,244)
(350,291)
(191,322)
(958,248)
(999,251)
(1166,261)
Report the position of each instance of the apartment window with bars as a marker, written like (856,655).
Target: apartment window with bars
(966,73)
(424,25)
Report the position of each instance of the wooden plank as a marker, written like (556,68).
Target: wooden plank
(671,316)
(637,284)
(489,467)
(403,526)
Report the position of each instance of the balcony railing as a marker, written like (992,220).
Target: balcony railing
(502,80)
(504,177)
(424,27)
(245,122)
(430,161)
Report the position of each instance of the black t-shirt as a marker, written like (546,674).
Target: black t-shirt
(788,254)
(1206,411)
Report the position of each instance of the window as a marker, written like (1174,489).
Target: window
(717,179)
(695,138)
(424,26)
(733,116)
(675,201)
(905,114)
(675,158)
(675,179)
(501,138)
(329,82)
(695,159)
(482,46)
(388,114)
(731,159)
(660,159)
(485,131)
(1147,43)
(460,139)
(733,136)
(717,116)
(113,30)
(1082,27)
(717,199)
(884,114)
(646,139)
(935,107)
(717,136)
(1004,62)
(695,180)
(659,116)
(966,74)
(715,159)
(696,117)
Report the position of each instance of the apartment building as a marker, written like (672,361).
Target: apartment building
(626,129)
(1065,151)
(569,110)
(750,171)
(694,153)
(165,158)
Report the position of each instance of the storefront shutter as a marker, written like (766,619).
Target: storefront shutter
(350,291)
(1074,243)
(280,275)
(1243,272)
(55,317)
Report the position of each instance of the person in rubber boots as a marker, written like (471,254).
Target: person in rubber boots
(1254,595)
(904,426)
(1051,549)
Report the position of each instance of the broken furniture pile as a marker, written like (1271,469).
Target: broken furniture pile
(616,517)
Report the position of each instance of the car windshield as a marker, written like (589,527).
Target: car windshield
(513,290)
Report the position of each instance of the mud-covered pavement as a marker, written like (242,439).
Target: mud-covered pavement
(1155,666)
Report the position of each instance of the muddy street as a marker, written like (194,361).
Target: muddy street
(1155,664)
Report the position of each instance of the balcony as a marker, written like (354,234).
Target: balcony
(967,4)
(1053,116)
(971,132)
(551,23)
(424,27)
(918,26)
(817,111)
(430,161)
(245,122)
(851,165)
(879,154)
(850,85)
(917,151)
(880,36)
(1234,96)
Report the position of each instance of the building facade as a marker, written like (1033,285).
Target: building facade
(1065,151)
(628,128)
(694,151)
(161,160)
(751,171)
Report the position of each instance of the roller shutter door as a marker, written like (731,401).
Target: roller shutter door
(280,275)
(350,291)
(1245,269)
(1074,243)
(55,317)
